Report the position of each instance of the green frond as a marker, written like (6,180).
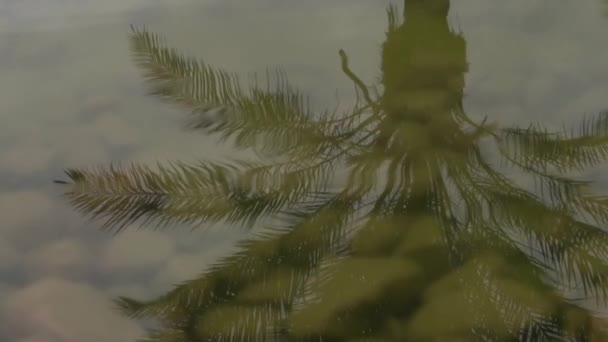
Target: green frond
(526,323)
(241,323)
(183,80)
(281,260)
(178,193)
(535,148)
(393,18)
(350,284)
(566,249)
(270,114)
(570,250)
(571,196)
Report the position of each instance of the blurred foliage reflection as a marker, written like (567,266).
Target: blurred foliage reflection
(389,221)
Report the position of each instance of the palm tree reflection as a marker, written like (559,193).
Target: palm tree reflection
(394,223)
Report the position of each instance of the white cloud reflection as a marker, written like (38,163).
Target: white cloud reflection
(56,14)
(55,309)
(134,250)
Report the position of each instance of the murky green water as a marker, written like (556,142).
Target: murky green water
(418,171)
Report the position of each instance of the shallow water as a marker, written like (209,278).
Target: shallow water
(72,96)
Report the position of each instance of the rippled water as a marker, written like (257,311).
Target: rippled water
(437,248)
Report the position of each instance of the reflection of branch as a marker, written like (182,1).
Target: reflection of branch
(358,83)
(480,128)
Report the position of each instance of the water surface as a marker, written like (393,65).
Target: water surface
(389,262)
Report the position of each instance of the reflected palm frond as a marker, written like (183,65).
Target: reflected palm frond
(209,192)
(537,149)
(270,113)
